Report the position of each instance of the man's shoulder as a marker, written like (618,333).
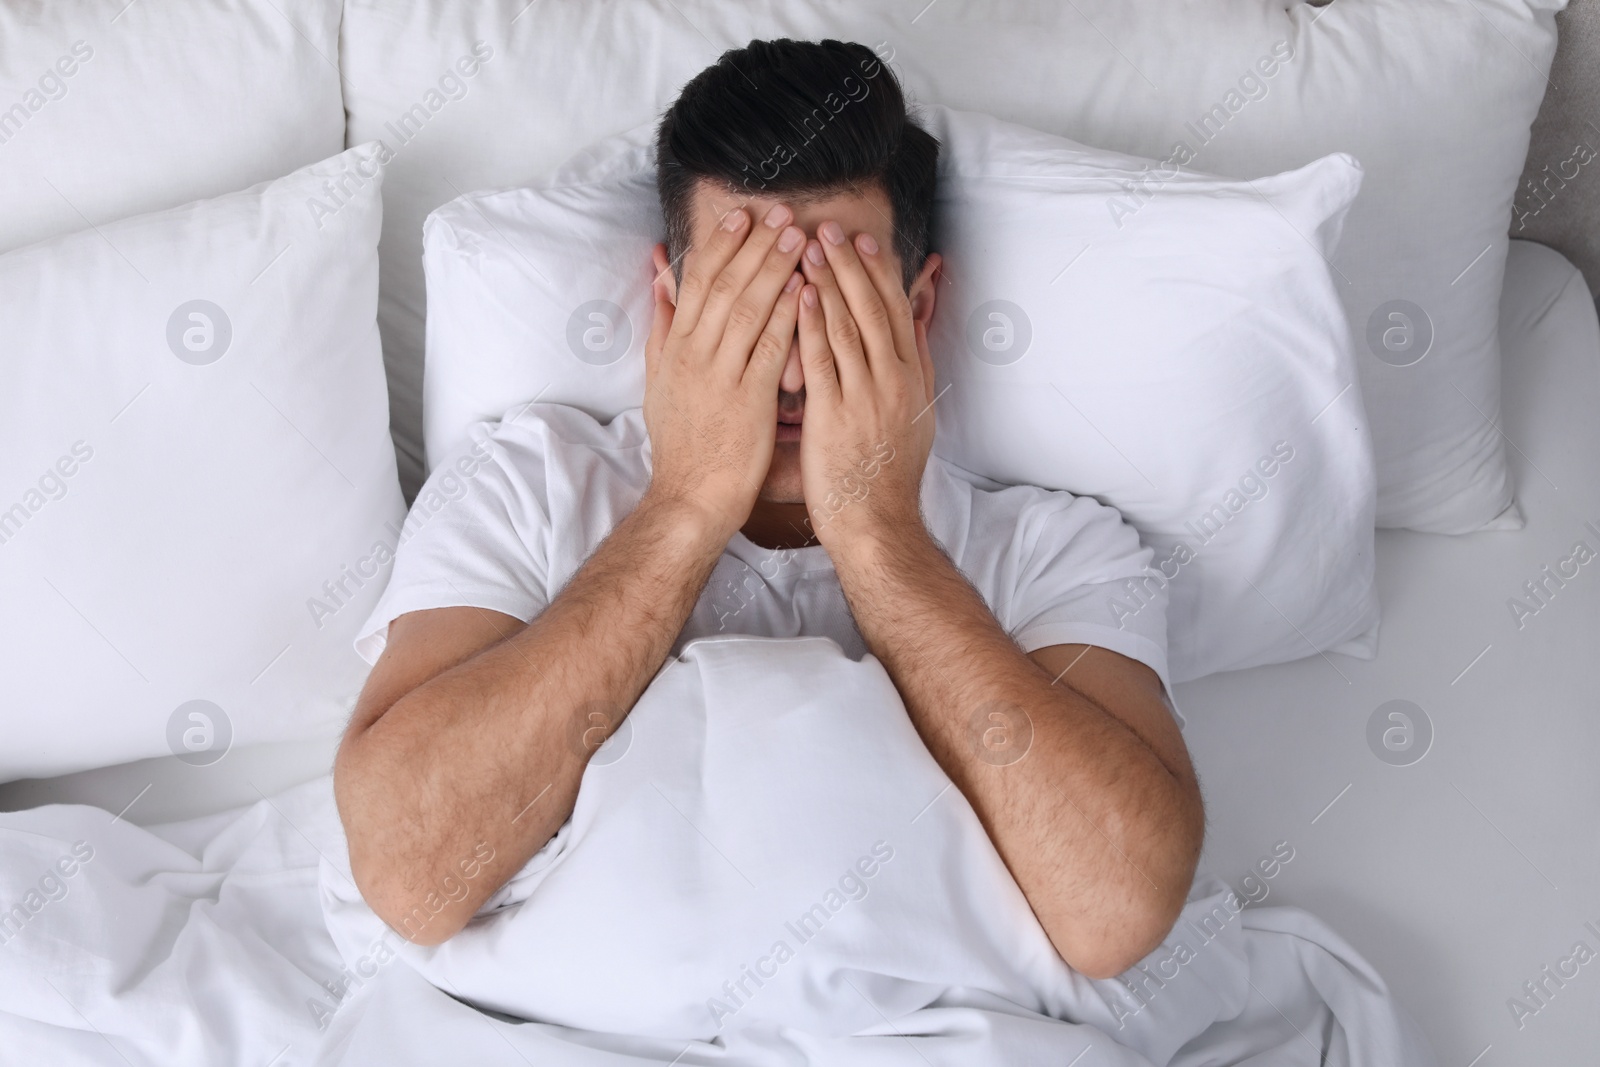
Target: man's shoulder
(951,481)
(535,441)
(546,454)
(994,514)
(568,425)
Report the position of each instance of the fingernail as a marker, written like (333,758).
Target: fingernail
(867,245)
(733,220)
(777,216)
(814,254)
(809,295)
(790,239)
(831,233)
(794,280)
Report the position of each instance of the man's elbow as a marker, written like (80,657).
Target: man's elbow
(1143,927)
(423,918)
(382,866)
(384,872)
(1151,908)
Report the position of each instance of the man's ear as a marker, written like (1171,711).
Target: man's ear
(658,255)
(924,290)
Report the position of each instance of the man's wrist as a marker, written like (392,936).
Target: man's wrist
(878,543)
(696,529)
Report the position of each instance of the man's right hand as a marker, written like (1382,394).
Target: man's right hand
(713,362)
(464,731)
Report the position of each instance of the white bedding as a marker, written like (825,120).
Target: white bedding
(1459,877)
(759,777)
(1464,874)
(206,949)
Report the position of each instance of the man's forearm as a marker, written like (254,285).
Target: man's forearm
(485,759)
(1099,833)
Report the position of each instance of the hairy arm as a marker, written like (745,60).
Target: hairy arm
(469,741)
(1091,803)
(1090,799)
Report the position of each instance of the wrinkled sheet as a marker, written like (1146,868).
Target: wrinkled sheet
(756,777)
(203,946)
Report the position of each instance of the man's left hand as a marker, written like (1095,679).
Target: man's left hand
(868,424)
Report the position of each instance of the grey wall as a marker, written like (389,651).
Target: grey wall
(1565,213)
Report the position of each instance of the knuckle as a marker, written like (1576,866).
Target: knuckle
(693,284)
(845,332)
(898,304)
(724,288)
(743,315)
(768,348)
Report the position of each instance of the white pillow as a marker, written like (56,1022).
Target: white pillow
(1434,97)
(1193,370)
(197,487)
(110,108)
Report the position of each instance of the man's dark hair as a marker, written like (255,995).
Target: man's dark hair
(800,120)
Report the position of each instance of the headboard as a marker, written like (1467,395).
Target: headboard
(1558,201)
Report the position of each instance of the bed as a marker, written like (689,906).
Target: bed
(1391,849)
(1439,798)
(1498,803)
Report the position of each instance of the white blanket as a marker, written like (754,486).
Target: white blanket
(767,866)
(208,949)
(764,867)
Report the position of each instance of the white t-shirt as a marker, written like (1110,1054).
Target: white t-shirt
(507,521)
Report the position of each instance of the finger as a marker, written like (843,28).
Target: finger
(737,274)
(753,309)
(925,357)
(660,327)
(816,357)
(861,296)
(844,336)
(771,349)
(885,275)
(703,263)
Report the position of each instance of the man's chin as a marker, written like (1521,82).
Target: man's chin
(783,490)
(783,496)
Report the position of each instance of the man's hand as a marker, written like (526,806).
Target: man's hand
(475,728)
(712,366)
(869,392)
(1101,824)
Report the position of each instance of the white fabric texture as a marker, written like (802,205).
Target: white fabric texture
(769,859)
(1434,99)
(1196,375)
(507,521)
(1450,601)
(110,109)
(205,951)
(98,965)
(196,473)
(1489,659)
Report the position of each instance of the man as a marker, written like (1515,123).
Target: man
(782,451)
